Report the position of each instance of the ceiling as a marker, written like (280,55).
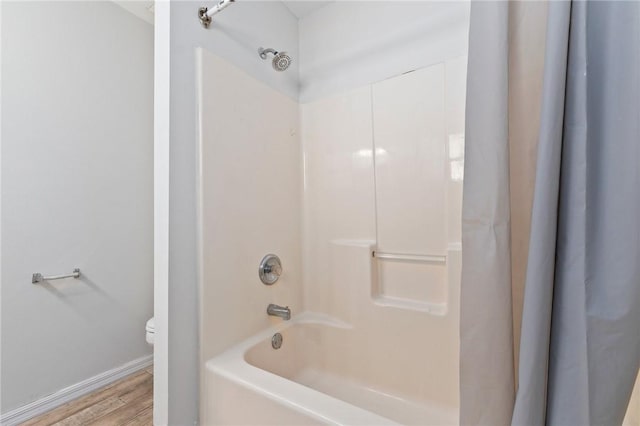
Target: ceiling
(303,8)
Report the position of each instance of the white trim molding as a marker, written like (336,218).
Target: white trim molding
(49,402)
(161,183)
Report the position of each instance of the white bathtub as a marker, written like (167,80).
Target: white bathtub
(324,373)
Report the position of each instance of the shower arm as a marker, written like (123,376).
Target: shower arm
(263,52)
(205,14)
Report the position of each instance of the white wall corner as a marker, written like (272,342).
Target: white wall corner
(162,65)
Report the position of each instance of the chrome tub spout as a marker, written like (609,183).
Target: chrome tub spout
(279,311)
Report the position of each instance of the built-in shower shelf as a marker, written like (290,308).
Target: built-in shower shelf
(416,282)
(439,309)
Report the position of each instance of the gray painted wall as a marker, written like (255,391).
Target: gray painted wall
(349,44)
(77,188)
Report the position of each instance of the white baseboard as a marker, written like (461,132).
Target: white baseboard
(49,402)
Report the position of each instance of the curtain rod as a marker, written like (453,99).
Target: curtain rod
(205,14)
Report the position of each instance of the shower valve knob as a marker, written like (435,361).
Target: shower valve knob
(270,269)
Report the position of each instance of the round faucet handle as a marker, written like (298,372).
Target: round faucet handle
(270,269)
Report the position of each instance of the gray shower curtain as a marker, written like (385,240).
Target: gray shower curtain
(580,335)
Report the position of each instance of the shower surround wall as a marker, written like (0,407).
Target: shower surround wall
(250,202)
(251,197)
(378,177)
(345,152)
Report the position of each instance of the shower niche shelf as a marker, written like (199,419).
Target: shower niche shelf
(410,281)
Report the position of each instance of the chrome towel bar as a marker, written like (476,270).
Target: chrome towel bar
(424,258)
(38,277)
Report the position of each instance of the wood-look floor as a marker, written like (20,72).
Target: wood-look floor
(128,401)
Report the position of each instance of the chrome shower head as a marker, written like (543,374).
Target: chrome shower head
(281,60)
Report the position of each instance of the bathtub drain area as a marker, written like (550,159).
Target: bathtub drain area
(276,341)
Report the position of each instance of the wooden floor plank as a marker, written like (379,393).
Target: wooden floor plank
(125,413)
(134,393)
(97,404)
(92,412)
(145,418)
(110,404)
